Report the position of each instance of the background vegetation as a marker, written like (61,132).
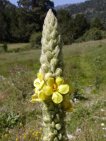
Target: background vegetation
(17,23)
(85,70)
(24,22)
(84,62)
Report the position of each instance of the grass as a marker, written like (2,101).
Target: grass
(84,69)
(17,45)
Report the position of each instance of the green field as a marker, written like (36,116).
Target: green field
(84,69)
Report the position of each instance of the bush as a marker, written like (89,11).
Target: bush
(3,48)
(104,34)
(93,34)
(8,120)
(35,40)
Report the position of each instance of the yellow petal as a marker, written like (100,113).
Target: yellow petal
(57,97)
(42,96)
(59,80)
(40,76)
(48,90)
(36,91)
(50,81)
(35,100)
(38,84)
(34,96)
(63,89)
(41,84)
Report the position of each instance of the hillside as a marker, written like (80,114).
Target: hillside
(85,69)
(91,9)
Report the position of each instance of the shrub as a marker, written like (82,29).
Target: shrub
(104,34)
(8,120)
(93,34)
(3,48)
(35,40)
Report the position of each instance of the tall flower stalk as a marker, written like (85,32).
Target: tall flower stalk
(50,88)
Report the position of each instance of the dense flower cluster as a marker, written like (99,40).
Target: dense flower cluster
(52,88)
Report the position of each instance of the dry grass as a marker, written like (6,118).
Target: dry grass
(83,63)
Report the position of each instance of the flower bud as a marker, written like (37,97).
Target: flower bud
(45,68)
(58,72)
(47,75)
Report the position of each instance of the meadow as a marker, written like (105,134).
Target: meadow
(84,70)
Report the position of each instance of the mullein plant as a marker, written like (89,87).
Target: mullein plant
(50,88)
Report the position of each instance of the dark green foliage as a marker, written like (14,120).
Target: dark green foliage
(66,26)
(35,40)
(1,48)
(88,25)
(18,23)
(93,34)
(71,28)
(5,7)
(90,8)
(81,25)
(5,47)
(8,120)
(96,23)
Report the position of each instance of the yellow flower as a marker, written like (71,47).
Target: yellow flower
(38,84)
(58,89)
(59,81)
(40,76)
(57,97)
(52,87)
(17,139)
(47,90)
(24,136)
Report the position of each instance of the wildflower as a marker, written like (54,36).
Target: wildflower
(53,87)
(102,124)
(49,86)
(102,110)
(16,139)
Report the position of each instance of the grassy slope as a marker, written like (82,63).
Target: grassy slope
(82,61)
(85,69)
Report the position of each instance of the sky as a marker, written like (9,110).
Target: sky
(57,2)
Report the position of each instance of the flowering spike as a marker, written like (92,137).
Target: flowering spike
(50,88)
(51,47)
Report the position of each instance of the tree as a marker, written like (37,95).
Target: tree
(5,6)
(32,4)
(8,21)
(18,23)
(31,14)
(96,23)
(66,26)
(81,25)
